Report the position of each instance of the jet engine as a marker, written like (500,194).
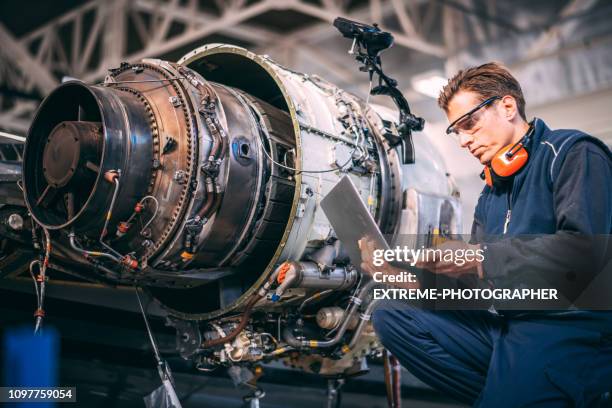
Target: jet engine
(200,182)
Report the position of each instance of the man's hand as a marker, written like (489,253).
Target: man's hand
(368,247)
(453,266)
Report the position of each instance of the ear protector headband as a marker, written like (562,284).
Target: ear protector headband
(508,161)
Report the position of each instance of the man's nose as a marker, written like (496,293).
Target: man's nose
(465,139)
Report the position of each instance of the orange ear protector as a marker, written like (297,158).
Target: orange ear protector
(508,161)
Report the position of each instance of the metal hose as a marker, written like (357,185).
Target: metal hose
(243,322)
(245,316)
(75,246)
(355,303)
(363,319)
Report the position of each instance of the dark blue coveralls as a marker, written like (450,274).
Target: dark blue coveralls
(543,359)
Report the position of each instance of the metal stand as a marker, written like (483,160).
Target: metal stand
(252,400)
(393,380)
(167,394)
(334,392)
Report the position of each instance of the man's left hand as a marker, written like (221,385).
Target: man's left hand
(453,266)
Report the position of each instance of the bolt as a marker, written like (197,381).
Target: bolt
(179,176)
(175,101)
(15,221)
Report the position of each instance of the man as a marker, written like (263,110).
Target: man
(509,358)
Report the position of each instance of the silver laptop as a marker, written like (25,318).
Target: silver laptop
(351,219)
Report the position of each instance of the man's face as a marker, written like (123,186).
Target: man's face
(487,130)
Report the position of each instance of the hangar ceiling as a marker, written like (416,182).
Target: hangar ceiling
(558,49)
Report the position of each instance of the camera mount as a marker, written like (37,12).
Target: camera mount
(368,42)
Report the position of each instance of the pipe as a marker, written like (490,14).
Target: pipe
(363,319)
(215,129)
(204,210)
(396,381)
(241,325)
(74,246)
(279,351)
(219,142)
(388,379)
(313,298)
(112,176)
(40,311)
(154,213)
(245,316)
(355,303)
(308,275)
(290,338)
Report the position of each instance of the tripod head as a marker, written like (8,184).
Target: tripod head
(369,37)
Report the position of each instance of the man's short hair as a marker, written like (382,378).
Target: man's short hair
(487,80)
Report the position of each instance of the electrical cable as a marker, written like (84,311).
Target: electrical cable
(42,277)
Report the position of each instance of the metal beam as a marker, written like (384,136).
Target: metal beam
(493,29)
(11,136)
(164,24)
(114,36)
(13,51)
(11,119)
(92,38)
(195,19)
(110,29)
(111,20)
(110,26)
(550,39)
(402,16)
(449,17)
(230,18)
(477,27)
(408,41)
(375,11)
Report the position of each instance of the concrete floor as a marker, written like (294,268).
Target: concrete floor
(105,385)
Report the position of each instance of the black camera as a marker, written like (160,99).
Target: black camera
(370,37)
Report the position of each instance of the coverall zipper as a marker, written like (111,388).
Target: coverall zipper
(509,211)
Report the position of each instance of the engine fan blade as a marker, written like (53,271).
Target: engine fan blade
(48,196)
(91,166)
(80,114)
(69,203)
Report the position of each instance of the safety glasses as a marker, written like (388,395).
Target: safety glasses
(466,122)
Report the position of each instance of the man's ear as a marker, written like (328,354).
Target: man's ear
(510,110)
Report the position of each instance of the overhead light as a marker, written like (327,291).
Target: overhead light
(429,83)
